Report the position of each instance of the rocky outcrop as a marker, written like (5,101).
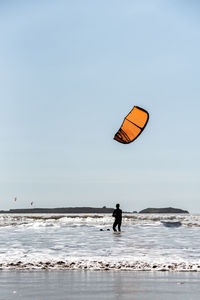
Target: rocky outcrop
(166,210)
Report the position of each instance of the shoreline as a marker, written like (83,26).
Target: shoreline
(99,265)
(112,285)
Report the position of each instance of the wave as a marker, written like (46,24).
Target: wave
(46,220)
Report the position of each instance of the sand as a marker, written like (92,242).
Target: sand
(61,285)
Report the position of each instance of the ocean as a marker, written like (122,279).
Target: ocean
(87,242)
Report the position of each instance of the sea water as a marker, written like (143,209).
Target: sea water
(86,241)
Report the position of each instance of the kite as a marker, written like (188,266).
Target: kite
(15,199)
(132,126)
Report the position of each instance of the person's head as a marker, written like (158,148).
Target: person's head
(117,205)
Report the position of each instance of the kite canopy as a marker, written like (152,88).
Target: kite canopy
(134,123)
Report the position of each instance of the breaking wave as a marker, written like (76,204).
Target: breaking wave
(95,219)
(86,242)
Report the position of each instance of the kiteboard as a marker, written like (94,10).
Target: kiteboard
(171,224)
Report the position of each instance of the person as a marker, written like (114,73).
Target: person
(117,214)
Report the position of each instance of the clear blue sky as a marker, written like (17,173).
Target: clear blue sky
(69,73)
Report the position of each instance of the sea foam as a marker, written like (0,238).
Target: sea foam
(86,241)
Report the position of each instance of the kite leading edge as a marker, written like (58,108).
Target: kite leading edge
(132,126)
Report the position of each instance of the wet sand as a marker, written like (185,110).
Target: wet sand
(61,285)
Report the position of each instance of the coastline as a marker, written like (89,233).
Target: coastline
(99,265)
(91,210)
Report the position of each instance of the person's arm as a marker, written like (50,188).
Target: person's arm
(114,213)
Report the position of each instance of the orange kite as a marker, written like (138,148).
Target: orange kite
(133,125)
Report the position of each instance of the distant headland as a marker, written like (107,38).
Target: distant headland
(60,210)
(166,210)
(88,210)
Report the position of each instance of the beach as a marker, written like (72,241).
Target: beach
(61,285)
(100,104)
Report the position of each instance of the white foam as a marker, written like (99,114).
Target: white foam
(76,242)
(95,263)
(48,220)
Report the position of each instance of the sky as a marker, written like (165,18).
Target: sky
(70,71)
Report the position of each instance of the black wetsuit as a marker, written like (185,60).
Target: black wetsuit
(117,213)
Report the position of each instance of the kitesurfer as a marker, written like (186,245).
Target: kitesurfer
(117,214)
